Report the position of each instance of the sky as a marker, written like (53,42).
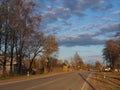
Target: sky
(81,26)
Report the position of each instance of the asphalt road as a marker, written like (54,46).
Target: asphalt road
(65,81)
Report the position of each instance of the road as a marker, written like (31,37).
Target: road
(64,81)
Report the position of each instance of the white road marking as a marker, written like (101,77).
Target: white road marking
(85,82)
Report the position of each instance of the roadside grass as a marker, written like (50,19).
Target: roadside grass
(7,77)
(106,80)
(3,78)
(25,77)
(115,88)
(11,77)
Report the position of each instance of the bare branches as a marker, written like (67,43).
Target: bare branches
(20,37)
(111,53)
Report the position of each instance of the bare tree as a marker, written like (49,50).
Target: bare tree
(37,48)
(16,25)
(98,65)
(20,37)
(111,52)
(77,61)
(4,31)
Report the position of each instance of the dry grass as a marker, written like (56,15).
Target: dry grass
(25,77)
(105,80)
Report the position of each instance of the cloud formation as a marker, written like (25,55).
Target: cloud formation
(79,22)
(106,19)
(117,12)
(92,38)
(81,39)
(111,28)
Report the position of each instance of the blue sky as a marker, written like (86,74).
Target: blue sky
(80,26)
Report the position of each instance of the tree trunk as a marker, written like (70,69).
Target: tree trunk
(0,37)
(12,51)
(31,62)
(5,53)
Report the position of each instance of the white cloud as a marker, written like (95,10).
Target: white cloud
(90,38)
(106,19)
(90,26)
(62,12)
(111,28)
(51,16)
(102,18)
(87,27)
(82,5)
(80,39)
(64,17)
(117,12)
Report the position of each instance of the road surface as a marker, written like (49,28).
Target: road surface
(64,81)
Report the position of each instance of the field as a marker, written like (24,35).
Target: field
(105,80)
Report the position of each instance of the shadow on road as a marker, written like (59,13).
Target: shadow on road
(86,81)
